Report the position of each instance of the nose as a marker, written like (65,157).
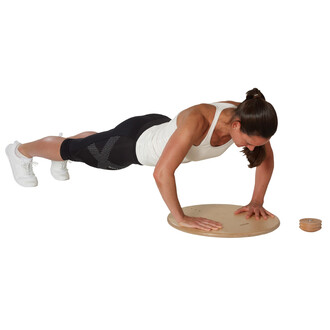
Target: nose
(251,148)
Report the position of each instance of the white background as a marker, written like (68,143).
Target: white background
(96,252)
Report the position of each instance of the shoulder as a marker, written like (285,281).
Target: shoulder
(231,102)
(194,118)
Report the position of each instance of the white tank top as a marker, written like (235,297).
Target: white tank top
(152,142)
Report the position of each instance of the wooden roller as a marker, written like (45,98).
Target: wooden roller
(310,224)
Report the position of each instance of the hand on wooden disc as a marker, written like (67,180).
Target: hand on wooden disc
(254,208)
(200,223)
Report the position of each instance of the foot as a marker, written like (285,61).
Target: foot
(21,166)
(59,170)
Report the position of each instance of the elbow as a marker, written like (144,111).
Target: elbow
(161,175)
(156,175)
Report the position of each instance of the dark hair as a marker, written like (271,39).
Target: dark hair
(258,118)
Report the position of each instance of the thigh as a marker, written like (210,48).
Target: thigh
(102,150)
(113,149)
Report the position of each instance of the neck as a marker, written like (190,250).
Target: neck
(224,123)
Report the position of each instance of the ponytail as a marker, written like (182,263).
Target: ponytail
(258,118)
(255,157)
(253,94)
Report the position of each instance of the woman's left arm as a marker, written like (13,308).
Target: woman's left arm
(263,174)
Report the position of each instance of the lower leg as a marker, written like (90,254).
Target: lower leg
(48,147)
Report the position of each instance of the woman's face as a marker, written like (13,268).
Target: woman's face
(243,140)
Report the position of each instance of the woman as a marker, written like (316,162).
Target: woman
(200,132)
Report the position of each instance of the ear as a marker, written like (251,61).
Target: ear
(236,124)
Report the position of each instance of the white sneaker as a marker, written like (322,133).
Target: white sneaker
(59,170)
(21,166)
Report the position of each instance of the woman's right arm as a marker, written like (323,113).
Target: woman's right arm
(173,154)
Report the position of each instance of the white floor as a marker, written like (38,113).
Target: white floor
(96,252)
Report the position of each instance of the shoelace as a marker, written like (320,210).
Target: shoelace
(29,167)
(63,164)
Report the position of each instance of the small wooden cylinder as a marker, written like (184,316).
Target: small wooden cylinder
(310,224)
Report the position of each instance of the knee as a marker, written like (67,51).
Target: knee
(88,133)
(50,139)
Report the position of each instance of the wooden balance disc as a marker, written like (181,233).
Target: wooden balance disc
(233,225)
(310,224)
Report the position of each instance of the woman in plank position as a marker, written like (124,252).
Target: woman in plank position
(200,132)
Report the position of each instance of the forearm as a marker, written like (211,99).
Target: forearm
(167,188)
(263,175)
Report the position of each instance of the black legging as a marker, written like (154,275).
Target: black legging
(113,149)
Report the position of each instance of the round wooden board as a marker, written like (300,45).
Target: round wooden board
(232,225)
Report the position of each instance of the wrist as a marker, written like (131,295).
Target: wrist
(179,218)
(257,201)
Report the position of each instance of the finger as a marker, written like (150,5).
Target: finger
(211,222)
(192,225)
(241,209)
(249,214)
(211,226)
(270,214)
(200,226)
(264,214)
(204,226)
(206,220)
(257,214)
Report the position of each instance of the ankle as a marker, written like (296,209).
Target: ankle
(21,152)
